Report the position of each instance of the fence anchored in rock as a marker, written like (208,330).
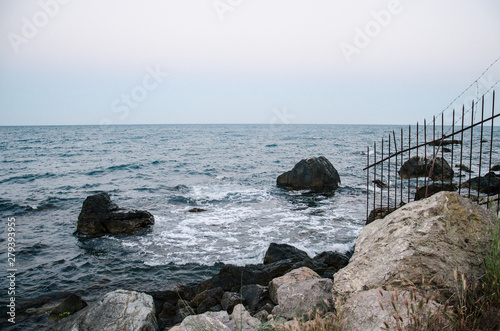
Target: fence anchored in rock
(459,153)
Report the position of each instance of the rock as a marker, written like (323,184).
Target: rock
(419,166)
(243,320)
(489,184)
(119,310)
(206,305)
(213,321)
(168,311)
(291,277)
(419,244)
(278,252)
(427,191)
(496,168)
(379,183)
(100,216)
(314,173)
(463,168)
(332,261)
(379,213)
(215,293)
(302,298)
(196,210)
(229,300)
(440,142)
(69,306)
(363,310)
(255,297)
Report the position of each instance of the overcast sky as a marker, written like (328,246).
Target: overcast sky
(242,61)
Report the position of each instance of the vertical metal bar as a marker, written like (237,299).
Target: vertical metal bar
(367,182)
(389,173)
(491,146)
(374,174)
(402,148)
(425,152)
(481,146)
(471,145)
(395,170)
(461,151)
(382,175)
(409,157)
(416,185)
(442,150)
(452,142)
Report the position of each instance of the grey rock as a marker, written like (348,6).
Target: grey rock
(314,173)
(426,191)
(243,320)
(119,310)
(489,184)
(99,216)
(209,321)
(277,252)
(303,298)
(254,296)
(229,300)
(419,166)
(422,241)
(291,277)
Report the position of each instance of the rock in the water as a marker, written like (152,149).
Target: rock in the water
(426,191)
(419,166)
(291,277)
(278,252)
(68,307)
(421,243)
(314,173)
(119,310)
(100,216)
(463,168)
(489,184)
(379,213)
(302,298)
(495,167)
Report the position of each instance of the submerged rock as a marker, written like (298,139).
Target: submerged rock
(100,216)
(119,310)
(314,173)
(419,166)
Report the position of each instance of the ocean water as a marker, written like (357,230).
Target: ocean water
(229,170)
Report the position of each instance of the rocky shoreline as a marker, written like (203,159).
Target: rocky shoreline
(418,247)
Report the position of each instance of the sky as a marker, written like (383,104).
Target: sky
(89,62)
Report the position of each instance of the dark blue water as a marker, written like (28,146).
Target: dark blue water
(229,170)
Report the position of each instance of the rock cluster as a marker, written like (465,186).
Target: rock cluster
(100,216)
(419,166)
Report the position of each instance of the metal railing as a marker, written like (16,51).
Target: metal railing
(421,160)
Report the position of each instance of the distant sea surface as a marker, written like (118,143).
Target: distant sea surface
(230,170)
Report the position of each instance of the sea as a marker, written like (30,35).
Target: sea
(46,172)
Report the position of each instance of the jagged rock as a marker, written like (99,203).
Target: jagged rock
(419,166)
(302,298)
(243,320)
(363,310)
(420,244)
(230,300)
(255,297)
(427,191)
(100,216)
(291,277)
(69,306)
(119,310)
(379,213)
(215,293)
(213,321)
(489,184)
(329,261)
(463,168)
(314,173)
(278,252)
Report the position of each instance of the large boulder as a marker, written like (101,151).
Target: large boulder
(100,216)
(119,310)
(489,184)
(420,244)
(278,252)
(419,166)
(314,173)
